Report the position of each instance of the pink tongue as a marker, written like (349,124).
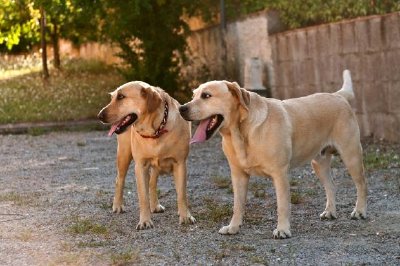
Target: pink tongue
(200,134)
(112,129)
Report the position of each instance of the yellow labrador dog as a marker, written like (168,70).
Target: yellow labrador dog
(266,137)
(153,134)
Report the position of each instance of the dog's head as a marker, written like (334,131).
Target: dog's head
(128,103)
(217,105)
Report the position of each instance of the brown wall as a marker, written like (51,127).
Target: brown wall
(312,60)
(244,39)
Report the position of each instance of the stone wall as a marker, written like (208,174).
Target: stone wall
(216,53)
(312,60)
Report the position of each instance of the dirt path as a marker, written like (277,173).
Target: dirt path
(55,208)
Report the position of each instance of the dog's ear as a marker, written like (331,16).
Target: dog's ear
(241,94)
(153,99)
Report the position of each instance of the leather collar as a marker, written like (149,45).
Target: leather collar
(161,129)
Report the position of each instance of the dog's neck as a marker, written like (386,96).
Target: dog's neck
(154,131)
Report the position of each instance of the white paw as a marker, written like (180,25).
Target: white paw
(229,230)
(118,208)
(281,234)
(357,215)
(328,215)
(158,209)
(187,220)
(142,225)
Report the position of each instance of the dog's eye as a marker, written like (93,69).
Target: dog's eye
(120,97)
(205,95)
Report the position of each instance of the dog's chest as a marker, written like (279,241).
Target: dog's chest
(164,165)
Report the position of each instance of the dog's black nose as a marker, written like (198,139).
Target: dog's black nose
(183,109)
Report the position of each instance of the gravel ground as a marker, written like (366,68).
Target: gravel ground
(55,208)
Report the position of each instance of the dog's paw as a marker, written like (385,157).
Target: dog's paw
(281,234)
(158,209)
(187,220)
(118,208)
(328,215)
(144,225)
(229,230)
(357,215)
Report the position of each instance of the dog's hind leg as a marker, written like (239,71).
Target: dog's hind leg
(351,154)
(155,205)
(322,167)
(124,158)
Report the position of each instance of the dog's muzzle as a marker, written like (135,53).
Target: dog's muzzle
(184,111)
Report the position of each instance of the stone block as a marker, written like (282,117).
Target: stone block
(363,123)
(376,97)
(323,43)
(349,40)
(385,126)
(372,66)
(293,53)
(353,63)
(335,39)
(312,43)
(394,97)
(376,35)
(282,47)
(274,47)
(361,35)
(392,30)
(392,61)
(302,51)
(287,73)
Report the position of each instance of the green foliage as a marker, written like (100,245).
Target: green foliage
(310,12)
(151,36)
(87,226)
(76,20)
(299,13)
(18,25)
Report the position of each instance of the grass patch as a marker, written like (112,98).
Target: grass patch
(259,260)
(377,159)
(237,247)
(258,190)
(221,182)
(77,92)
(215,212)
(20,199)
(92,244)
(87,226)
(296,197)
(36,131)
(126,257)
(25,236)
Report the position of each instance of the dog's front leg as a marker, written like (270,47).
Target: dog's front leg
(155,205)
(240,181)
(124,158)
(282,188)
(179,172)
(142,169)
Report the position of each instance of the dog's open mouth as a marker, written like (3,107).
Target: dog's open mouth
(121,125)
(207,128)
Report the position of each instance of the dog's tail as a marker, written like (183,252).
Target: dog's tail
(347,89)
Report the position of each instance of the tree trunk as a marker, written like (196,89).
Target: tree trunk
(43,42)
(56,46)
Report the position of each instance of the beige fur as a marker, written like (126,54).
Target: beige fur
(152,156)
(267,137)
